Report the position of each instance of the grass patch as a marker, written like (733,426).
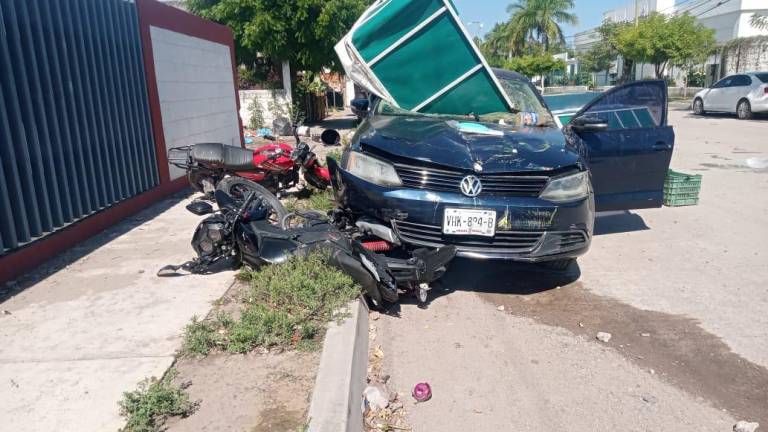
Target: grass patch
(147,407)
(312,199)
(286,305)
(336,154)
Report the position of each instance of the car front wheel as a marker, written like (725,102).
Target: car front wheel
(744,110)
(698,107)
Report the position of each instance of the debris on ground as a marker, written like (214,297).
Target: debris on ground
(6,312)
(382,409)
(500,308)
(375,316)
(603,336)
(422,392)
(378,352)
(645,334)
(745,426)
(649,398)
(757,163)
(376,397)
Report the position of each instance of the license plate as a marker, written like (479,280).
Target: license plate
(469,222)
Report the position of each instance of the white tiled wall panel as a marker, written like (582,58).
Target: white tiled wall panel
(197,91)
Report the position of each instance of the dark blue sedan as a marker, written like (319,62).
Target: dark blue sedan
(509,185)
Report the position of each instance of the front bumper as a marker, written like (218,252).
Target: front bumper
(528,228)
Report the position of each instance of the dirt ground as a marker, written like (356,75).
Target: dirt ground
(681,291)
(261,391)
(252,392)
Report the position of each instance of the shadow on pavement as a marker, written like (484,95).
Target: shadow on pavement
(73,254)
(619,222)
(494,277)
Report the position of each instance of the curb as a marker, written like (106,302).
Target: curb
(336,398)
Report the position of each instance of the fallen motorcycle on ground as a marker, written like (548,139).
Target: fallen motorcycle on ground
(258,231)
(275,166)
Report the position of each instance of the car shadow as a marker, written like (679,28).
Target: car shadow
(69,256)
(757,117)
(493,276)
(618,222)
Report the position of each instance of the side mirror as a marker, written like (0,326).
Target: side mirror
(360,106)
(330,137)
(200,208)
(588,123)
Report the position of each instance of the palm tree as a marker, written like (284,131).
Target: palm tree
(539,20)
(759,21)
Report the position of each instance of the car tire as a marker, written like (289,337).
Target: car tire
(238,187)
(561,264)
(698,106)
(744,110)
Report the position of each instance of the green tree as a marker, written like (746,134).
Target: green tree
(662,41)
(303,32)
(598,58)
(535,65)
(539,20)
(497,47)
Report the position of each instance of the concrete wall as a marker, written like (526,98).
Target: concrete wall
(751,55)
(271,102)
(196,89)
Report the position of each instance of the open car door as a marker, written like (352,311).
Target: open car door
(628,145)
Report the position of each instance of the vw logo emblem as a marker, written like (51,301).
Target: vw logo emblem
(471,186)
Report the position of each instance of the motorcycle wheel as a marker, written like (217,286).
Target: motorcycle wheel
(238,188)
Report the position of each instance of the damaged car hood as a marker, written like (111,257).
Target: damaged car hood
(436,141)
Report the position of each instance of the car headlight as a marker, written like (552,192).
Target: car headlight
(567,188)
(372,169)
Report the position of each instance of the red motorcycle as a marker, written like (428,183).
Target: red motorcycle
(274,166)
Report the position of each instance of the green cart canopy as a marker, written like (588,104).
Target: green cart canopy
(417,55)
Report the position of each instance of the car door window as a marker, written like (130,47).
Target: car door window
(725,82)
(632,107)
(741,81)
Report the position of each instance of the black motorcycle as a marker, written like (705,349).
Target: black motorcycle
(242,232)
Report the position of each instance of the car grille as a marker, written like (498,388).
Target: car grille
(448,180)
(504,241)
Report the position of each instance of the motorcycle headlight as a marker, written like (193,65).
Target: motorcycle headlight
(371,169)
(215,233)
(567,188)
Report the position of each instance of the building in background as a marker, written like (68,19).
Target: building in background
(729,18)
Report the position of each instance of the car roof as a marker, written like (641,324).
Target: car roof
(508,74)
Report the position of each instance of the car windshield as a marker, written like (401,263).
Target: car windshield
(527,108)
(762,77)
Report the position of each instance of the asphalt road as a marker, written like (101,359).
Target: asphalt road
(681,290)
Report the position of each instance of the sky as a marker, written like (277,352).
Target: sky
(490,12)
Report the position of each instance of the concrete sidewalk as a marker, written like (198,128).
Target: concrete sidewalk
(94,322)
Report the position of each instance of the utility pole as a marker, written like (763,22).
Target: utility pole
(637,13)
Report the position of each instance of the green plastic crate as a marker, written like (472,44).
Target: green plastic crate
(681,189)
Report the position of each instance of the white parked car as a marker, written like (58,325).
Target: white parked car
(742,94)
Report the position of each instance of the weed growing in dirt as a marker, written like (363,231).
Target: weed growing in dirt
(147,407)
(286,305)
(200,337)
(323,201)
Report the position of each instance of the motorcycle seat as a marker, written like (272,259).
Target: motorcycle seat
(225,156)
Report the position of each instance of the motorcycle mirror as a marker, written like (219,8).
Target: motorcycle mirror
(330,137)
(200,208)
